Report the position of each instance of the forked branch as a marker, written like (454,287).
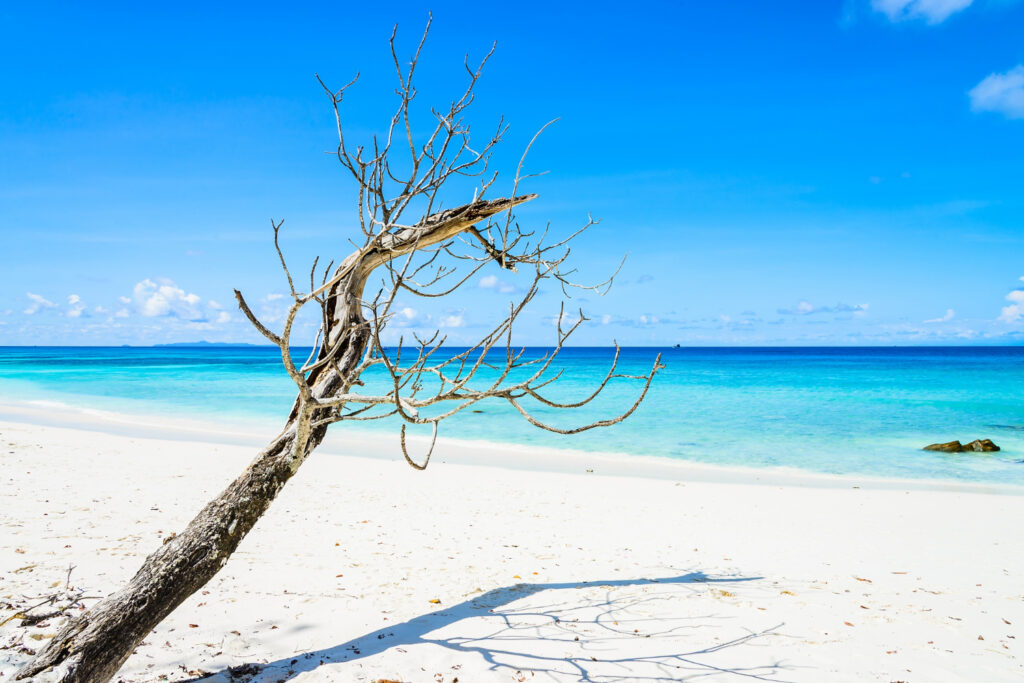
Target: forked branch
(431,255)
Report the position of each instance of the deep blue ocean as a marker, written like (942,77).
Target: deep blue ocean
(865,411)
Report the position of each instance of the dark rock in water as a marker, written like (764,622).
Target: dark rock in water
(976,446)
(949,447)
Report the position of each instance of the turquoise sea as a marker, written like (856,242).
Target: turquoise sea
(865,411)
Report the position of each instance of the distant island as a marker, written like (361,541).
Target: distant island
(205,343)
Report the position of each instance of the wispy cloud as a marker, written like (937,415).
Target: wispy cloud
(222,315)
(644,320)
(1002,93)
(492,282)
(407,316)
(454,319)
(931,11)
(566,319)
(950,314)
(165,299)
(273,308)
(38,303)
(75,306)
(1015,311)
(807,308)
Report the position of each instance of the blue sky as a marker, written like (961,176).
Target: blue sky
(779,173)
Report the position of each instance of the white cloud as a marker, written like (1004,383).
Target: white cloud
(223,317)
(950,314)
(606,319)
(165,299)
(123,313)
(492,282)
(408,316)
(100,309)
(76,306)
(124,299)
(566,319)
(402,317)
(807,308)
(1015,311)
(932,11)
(273,308)
(37,304)
(453,320)
(1001,93)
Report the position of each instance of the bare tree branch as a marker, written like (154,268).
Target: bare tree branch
(429,255)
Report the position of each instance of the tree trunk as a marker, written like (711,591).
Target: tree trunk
(92,647)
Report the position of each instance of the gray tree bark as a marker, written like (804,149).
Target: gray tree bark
(92,647)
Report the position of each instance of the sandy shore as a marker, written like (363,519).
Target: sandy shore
(365,569)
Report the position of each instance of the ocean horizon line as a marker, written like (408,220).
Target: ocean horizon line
(224,345)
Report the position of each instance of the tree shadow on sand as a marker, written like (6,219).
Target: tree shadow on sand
(588,626)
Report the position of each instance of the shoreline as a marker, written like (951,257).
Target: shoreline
(382,445)
(365,569)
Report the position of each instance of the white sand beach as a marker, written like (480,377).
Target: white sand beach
(366,570)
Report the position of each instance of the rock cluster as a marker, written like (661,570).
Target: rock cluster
(976,446)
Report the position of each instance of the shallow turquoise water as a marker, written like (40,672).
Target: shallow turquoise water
(834,410)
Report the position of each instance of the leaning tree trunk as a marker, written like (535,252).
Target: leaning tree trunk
(92,647)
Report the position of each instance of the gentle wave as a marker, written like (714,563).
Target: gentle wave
(836,411)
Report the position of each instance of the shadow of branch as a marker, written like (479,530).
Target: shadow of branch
(586,625)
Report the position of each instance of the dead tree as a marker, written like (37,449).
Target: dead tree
(397,173)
